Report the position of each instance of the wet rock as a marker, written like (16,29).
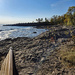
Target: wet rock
(34,32)
(39,55)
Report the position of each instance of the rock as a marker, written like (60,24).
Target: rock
(34,32)
(1,30)
(8,39)
(39,55)
(34,60)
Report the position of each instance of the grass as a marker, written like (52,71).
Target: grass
(73,38)
(68,56)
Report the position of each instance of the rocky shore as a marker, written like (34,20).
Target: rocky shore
(41,55)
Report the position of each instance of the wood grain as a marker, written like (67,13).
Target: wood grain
(7,65)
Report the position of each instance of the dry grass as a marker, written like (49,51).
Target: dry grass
(73,38)
(68,56)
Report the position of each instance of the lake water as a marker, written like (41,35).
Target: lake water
(19,31)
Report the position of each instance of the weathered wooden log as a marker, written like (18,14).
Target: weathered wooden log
(8,66)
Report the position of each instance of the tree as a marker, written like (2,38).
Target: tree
(39,20)
(52,21)
(71,10)
(46,20)
(71,15)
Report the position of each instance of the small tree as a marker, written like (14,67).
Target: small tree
(46,20)
(71,13)
(39,20)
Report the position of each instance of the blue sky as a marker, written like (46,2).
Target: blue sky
(18,11)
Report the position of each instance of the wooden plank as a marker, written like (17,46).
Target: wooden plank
(7,66)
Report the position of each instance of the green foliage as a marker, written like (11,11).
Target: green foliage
(67,19)
(71,10)
(57,19)
(71,16)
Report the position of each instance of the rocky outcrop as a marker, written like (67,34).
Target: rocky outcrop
(39,55)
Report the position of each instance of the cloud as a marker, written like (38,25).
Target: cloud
(59,2)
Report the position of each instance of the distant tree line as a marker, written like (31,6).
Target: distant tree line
(39,20)
(66,19)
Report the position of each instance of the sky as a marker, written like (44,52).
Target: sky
(21,11)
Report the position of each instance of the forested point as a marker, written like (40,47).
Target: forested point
(66,19)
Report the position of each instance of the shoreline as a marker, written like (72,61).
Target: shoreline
(40,55)
(30,24)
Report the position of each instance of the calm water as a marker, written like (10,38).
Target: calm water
(18,31)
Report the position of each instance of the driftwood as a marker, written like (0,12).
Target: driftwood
(8,66)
